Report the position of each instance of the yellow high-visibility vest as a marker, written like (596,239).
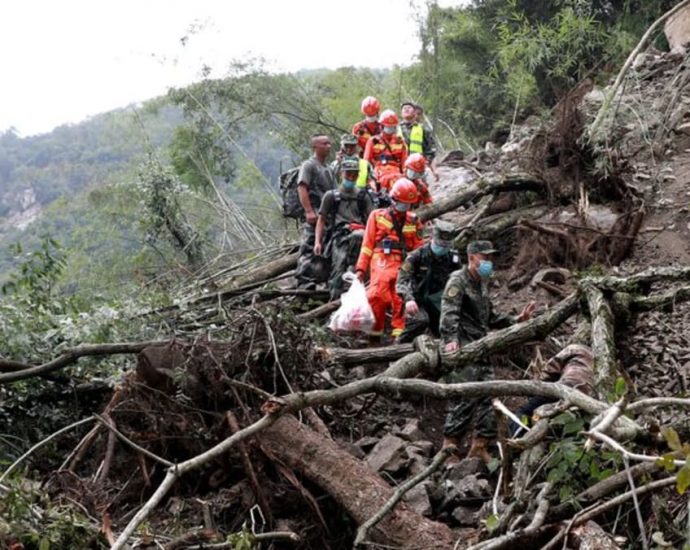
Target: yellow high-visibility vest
(416,138)
(363,177)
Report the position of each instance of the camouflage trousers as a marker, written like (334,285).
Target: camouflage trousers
(466,414)
(307,273)
(344,249)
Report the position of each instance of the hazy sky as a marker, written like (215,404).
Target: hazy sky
(63,60)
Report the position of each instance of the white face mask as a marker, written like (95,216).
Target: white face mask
(389,129)
(371,118)
(412,175)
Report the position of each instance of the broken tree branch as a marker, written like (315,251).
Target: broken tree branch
(400,492)
(478,189)
(73,354)
(43,442)
(603,341)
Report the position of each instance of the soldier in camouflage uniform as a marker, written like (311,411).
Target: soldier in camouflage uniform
(340,226)
(467,315)
(421,281)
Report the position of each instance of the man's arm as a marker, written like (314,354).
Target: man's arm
(369,151)
(499,320)
(451,306)
(305,201)
(405,285)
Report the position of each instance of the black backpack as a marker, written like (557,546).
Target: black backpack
(292,207)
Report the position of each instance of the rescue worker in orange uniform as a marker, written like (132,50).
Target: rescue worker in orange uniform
(370,126)
(415,171)
(387,151)
(390,234)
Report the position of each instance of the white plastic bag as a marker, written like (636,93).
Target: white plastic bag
(355,313)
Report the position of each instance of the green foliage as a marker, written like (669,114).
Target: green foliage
(572,468)
(29,517)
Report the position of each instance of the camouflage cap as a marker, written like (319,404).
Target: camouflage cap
(348,139)
(480,247)
(444,233)
(349,165)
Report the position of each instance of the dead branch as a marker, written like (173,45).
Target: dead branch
(73,354)
(249,468)
(632,283)
(591,513)
(648,303)
(346,356)
(600,490)
(400,492)
(41,443)
(480,188)
(603,341)
(108,423)
(319,312)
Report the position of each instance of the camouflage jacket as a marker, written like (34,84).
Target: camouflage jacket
(423,273)
(466,310)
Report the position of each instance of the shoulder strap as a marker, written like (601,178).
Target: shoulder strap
(398,226)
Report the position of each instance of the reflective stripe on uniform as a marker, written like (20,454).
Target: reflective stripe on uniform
(409,228)
(367,251)
(363,177)
(384,222)
(416,139)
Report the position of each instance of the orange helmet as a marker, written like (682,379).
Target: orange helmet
(416,162)
(388,118)
(370,106)
(404,191)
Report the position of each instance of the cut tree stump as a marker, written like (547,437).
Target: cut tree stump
(352,484)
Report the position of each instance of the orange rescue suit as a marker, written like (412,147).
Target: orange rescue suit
(383,253)
(387,155)
(364,130)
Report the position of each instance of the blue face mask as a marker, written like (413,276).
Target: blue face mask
(412,175)
(389,129)
(401,206)
(348,184)
(485,269)
(439,250)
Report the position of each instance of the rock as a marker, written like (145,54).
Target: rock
(684,128)
(411,431)
(417,498)
(677,29)
(366,443)
(465,515)
(417,459)
(466,467)
(471,486)
(387,454)
(427,447)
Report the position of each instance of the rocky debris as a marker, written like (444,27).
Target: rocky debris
(465,516)
(677,29)
(466,467)
(410,431)
(417,498)
(388,454)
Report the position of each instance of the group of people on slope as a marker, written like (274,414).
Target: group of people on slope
(367,224)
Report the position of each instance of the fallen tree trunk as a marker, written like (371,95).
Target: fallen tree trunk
(633,283)
(478,189)
(346,356)
(352,484)
(603,342)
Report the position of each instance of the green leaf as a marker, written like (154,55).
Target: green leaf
(671,437)
(621,387)
(683,479)
(492,522)
(44,544)
(667,462)
(493,465)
